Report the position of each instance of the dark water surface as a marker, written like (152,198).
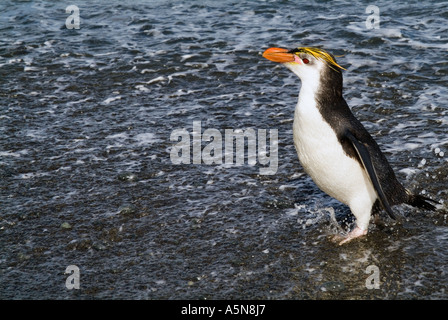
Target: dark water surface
(86,176)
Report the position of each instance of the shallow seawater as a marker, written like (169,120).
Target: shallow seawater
(87,176)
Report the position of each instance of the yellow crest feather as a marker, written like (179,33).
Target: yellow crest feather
(322,55)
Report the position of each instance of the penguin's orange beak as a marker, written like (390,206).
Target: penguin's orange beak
(278,55)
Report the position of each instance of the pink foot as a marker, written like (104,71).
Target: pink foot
(355,233)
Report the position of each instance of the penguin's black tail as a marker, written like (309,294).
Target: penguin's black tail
(419,201)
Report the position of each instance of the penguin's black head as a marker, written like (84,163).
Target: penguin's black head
(315,67)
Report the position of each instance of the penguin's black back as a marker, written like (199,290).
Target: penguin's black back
(337,114)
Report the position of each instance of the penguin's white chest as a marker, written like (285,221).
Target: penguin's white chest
(324,159)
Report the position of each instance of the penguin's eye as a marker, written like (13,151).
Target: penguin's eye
(305,61)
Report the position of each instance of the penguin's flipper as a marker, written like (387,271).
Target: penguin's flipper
(366,160)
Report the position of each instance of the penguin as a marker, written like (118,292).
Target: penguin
(333,146)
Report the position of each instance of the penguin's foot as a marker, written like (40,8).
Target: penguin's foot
(355,233)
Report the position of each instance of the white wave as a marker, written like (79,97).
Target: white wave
(111,99)
(145,138)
